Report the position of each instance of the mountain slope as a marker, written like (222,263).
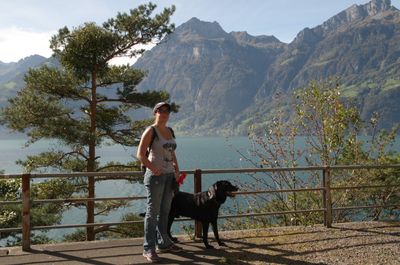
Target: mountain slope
(360,45)
(222,79)
(12,75)
(213,75)
(355,44)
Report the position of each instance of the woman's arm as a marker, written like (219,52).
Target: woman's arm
(141,152)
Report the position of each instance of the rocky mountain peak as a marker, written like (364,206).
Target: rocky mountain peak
(32,59)
(243,38)
(195,28)
(21,66)
(354,13)
(377,6)
(307,35)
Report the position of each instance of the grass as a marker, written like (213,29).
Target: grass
(391,84)
(353,90)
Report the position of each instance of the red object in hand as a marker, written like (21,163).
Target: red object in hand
(181,178)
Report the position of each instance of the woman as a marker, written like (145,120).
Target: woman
(161,171)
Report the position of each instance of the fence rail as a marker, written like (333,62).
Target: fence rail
(325,188)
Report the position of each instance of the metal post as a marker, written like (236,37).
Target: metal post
(327,197)
(26,219)
(197,188)
(324,194)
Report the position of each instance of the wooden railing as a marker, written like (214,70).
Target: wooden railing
(325,188)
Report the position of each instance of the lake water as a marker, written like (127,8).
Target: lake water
(192,153)
(199,152)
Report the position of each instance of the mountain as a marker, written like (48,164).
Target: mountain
(9,71)
(222,80)
(12,75)
(357,42)
(361,45)
(211,74)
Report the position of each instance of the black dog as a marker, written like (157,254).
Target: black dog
(202,206)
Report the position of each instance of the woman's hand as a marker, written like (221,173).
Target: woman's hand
(176,167)
(156,171)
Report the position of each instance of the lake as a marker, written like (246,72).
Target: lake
(192,153)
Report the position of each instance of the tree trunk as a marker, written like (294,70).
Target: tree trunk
(90,234)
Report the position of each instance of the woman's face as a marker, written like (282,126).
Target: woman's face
(162,113)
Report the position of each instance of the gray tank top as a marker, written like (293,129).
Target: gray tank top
(161,153)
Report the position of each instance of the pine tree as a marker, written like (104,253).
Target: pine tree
(87,101)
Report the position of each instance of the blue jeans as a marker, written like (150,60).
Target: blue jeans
(159,197)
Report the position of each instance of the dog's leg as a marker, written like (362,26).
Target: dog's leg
(171,218)
(214,225)
(205,234)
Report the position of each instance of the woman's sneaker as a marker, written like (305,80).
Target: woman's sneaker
(151,255)
(170,248)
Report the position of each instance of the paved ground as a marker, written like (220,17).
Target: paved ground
(350,243)
(106,252)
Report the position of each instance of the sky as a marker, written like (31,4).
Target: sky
(26,26)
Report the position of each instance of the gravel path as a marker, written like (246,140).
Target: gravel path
(347,243)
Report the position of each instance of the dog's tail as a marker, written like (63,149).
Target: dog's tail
(142,214)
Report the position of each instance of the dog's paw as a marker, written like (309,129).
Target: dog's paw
(175,239)
(222,244)
(209,247)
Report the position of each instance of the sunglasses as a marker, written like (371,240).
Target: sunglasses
(166,111)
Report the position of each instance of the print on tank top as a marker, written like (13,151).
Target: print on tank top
(168,151)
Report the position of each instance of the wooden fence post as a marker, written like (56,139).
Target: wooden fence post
(326,176)
(90,234)
(197,188)
(26,207)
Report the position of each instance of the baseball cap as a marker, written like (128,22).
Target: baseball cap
(159,105)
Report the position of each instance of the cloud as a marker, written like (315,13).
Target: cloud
(126,60)
(16,44)
(122,61)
